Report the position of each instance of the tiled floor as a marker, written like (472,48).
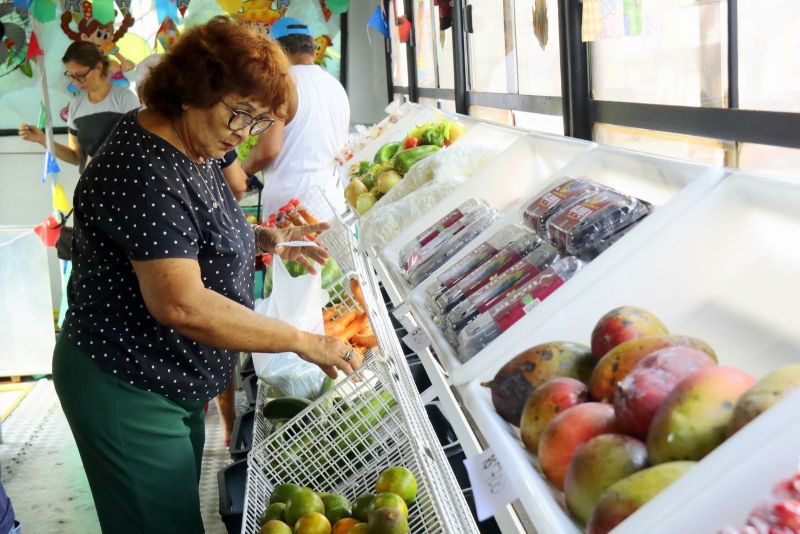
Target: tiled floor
(43,475)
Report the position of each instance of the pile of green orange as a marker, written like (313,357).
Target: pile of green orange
(296,510)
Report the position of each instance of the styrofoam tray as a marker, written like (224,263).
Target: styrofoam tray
(724,271)
(516,172)
(651,178)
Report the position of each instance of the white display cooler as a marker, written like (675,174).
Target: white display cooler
(724,269)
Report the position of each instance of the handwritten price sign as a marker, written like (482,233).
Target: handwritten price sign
(491,486)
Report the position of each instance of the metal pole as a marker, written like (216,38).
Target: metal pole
(733,54)
(459,58)
(343,32)
(387,43)
(574,71)
(411,52)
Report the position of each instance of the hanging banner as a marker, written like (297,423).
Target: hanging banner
(103,11)
(60,199)
(34,50)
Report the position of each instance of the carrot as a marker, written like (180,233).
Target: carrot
(354,328)
(329,313)
(365,339)
(355,288)
(337,326)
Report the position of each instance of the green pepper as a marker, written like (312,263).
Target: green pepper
(405,159)
(386,152)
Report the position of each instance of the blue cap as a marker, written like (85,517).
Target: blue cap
(288,26)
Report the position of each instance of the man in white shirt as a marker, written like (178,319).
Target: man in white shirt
(301,153)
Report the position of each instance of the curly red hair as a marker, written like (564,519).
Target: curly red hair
(216,59)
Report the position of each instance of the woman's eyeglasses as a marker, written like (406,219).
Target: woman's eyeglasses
(241,119)
(80,78)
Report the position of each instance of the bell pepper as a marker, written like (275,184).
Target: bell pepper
(405,159)
(386,152)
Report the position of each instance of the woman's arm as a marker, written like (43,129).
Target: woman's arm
(175,296)
(236,179)
(68,154)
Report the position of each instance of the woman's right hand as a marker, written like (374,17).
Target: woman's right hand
(31,133)
(329,354)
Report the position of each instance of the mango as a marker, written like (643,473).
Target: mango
(622,324)
(568,431)
(619,361)
(387,521)
(694,418)
(640,394)
(546,402)
(516,380)
(597,465)
(623,498)
(766,393)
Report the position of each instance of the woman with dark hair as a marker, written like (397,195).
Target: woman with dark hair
(92,114)
(161,292)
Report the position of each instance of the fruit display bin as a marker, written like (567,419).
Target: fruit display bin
(515,172)
(406,112)
(366,423)
(724,271)
(669,185)
(731,481)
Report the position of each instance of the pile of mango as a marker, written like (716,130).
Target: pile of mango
(614,424)
(384,512)
(369,181)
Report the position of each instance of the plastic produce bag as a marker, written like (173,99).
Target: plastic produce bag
(298,302)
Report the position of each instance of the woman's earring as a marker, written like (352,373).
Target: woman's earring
(184,107)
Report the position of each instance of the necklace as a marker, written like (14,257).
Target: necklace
(201,176)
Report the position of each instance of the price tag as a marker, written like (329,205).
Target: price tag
(401,313)
(417,340)
(491,486)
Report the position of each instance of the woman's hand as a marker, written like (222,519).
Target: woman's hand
(267,240)
(31,133)
(329,354)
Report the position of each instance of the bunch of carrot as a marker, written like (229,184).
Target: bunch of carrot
(350,326)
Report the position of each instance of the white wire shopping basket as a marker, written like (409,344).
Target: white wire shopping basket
(342,442)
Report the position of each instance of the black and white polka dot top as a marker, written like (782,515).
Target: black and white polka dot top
(141,199)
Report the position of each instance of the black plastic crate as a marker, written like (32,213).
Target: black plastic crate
(250,385)
(247,368)
(442,427)
(231,482)
(418,373)
(242,435)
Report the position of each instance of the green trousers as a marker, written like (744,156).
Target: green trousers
(141,451)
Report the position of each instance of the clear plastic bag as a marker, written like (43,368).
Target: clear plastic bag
(298,302)
(590,226)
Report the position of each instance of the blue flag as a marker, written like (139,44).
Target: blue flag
(50,166)
(22,4)
(378,22)
(166,8)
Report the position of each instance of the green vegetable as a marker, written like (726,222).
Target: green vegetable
(437,135)
(362,168)
(295,269)
(330,274)
(386,152)
(284,407)
(421,129)
(244,149)
(405,159)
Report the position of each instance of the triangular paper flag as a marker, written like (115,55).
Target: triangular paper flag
(378,22)
(103,11)
(22,4)
(50,166)
(43,10)
(403,28)
(41,123)
(60,200)
(34,49)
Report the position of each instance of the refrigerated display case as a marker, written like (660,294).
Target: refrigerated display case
(713,259)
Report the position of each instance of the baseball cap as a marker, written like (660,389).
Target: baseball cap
(288,26)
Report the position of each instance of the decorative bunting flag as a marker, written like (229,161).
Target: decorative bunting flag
(22,4)
(403,28)
(34,49)
(338,7)
(378,22)
(183,5)
(50,166)
(166,8)
(43,10)
(167,34)
(124,6)
(103,11)
(60,200)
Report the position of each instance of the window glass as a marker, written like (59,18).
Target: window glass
(443,41)
(503,116)
(697,149)
(774,160)
(539,122)
(679,59)
(487,50)
(538,70)
(424,31)
(769,62)
(399,57)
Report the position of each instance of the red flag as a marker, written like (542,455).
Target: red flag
(33,48)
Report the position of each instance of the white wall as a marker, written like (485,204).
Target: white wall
(24,200)
(366,66)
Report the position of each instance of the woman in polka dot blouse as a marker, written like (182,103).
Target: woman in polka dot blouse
(160,298)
